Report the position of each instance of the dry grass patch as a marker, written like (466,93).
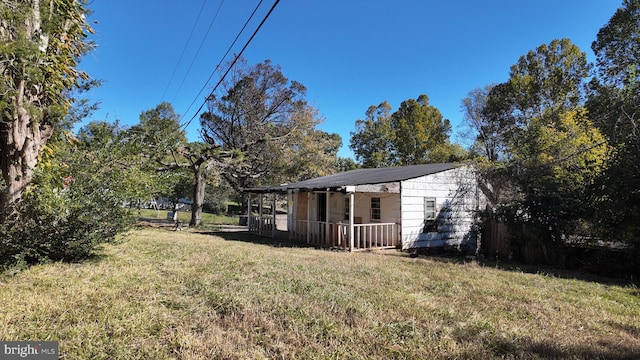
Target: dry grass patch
(180,295)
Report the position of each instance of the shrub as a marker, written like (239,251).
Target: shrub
(73,205)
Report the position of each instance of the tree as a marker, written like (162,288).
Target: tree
(552,150)
(617,46)
(614,104)
(205,163)
(485,133)
(159,130)
(308,155)
(98,134)
(75,200)
(419,130)
(161,140)
(415,134)
(42,41)
(372,142)
(264,117)
(346,164)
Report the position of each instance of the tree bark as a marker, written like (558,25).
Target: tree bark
(198,196)
(22,135)
(22,140)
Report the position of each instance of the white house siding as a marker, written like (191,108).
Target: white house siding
(389,205)
(456,195)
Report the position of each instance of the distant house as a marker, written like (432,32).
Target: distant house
(432,205)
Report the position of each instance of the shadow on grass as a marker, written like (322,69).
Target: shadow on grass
(527,348)
(603,349)
(544,270)
(246,236)
(281,240)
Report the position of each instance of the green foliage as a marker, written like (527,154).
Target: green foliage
(543,150)
(308,152)
(159,131)
(614,104)
(415,134)
(617,46)
(346,164)
(41,43)
(98,134)
(372,141)
(51,63)
(157,145)
(73,205)
(419,128)
(558,159)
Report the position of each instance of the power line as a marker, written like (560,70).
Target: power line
(198,51)
(183,50)
(234,61)
(224,56)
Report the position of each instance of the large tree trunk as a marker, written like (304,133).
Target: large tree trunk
(22,135)
(198,197)
(22,140)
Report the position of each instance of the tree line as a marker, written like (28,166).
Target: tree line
(556,144)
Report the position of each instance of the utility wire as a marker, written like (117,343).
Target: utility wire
(182,128)
(198,51)
(234,61)
(183,50)
(224,56)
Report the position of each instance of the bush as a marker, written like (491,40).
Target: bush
(69,231)
(73,205)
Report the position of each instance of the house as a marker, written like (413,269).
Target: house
(431,205)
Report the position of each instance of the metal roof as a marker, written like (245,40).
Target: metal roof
(358,177)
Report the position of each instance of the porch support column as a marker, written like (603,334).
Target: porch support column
(291,219)
(249,211)
(327,228)
(260,222)
(308,216)
(273,212)
(352,198)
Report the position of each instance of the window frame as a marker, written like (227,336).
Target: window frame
(375,210)
(347,207)
(430,223)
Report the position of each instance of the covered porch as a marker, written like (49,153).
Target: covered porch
(340,218)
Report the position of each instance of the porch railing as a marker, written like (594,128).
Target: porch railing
(261,225)
(365,236)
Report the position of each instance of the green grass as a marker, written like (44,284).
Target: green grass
(185,216)
(160,294)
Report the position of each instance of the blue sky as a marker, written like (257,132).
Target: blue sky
(349,54)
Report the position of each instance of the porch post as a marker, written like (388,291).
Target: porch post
(273,212)
(260,215)
(327,228)
(291,218)
(308,215)
(351,229)
(249,211)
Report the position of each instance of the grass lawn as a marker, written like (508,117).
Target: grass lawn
(185,216)
(160,294)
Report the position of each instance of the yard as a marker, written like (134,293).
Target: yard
(208,220)
(160,294)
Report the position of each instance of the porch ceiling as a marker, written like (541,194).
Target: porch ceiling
(339,181)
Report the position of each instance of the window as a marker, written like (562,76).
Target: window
(375,209)
(430,224)
(322,207)
(347,206)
